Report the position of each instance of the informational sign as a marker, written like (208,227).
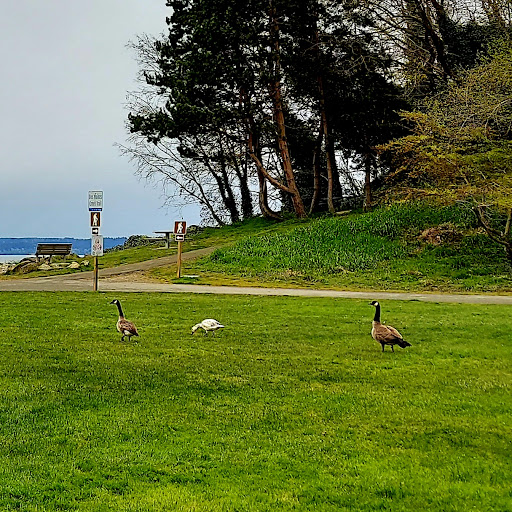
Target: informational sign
(95,200)
(95,231)
(95,219)
(180,227)
(97,245)
(179,238)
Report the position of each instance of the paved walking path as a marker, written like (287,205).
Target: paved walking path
(123,279)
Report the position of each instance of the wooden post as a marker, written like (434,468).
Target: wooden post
(178,274)
(95,273)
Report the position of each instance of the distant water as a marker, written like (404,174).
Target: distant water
(13,258)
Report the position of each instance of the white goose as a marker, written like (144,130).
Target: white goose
(209,324)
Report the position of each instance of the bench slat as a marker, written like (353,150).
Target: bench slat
(50,249)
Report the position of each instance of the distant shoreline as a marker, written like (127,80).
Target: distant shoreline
(14,258)
(26,246)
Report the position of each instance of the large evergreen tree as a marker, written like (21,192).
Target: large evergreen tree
(296,83)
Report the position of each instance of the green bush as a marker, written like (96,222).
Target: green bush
(337,244)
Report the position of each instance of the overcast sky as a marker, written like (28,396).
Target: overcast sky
(65,74)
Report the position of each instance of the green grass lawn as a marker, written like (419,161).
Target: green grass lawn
(291,407)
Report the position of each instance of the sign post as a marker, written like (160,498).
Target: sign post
(96,250)
(180,229)
(95,209)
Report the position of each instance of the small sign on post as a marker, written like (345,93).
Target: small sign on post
(95,200)
(97,245)
(180,228)
(96,250)
(95,204)
(95,219)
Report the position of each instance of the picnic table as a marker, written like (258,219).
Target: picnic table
(167,236)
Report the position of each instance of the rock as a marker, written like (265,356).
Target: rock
(25,266)
(85,263)
(75,264)
(44,266)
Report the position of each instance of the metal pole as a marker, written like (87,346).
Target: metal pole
(95,273)
(179,260)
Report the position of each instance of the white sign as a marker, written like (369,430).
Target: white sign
(97,245)
(95,200)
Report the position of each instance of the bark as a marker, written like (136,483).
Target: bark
(266,211)
(277,101)
(263,176)
(367,184)
(329,148)
(245,192)
(224,187)
(431,31)
(333,178)
(316,171)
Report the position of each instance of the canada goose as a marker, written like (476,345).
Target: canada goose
(385,334)
(125,327)
(208,325)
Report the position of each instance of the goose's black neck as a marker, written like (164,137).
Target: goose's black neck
(376,318)
(118,304)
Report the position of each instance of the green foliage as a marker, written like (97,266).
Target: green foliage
(355,243)
(292,407)
(460,147)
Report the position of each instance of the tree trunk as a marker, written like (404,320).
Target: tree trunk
(245,192)
(265,209)
(263,176)
(223,182)
(228,196)
(367,184)
(317,185)
(329,148)
(277,101)
(333,178)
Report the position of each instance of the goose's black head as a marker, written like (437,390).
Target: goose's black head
(374,303)
(115,301)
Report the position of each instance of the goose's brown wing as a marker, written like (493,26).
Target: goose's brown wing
(126,327)
(394,332)
(385,334)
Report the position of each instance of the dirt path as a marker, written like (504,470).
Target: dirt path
(129,278)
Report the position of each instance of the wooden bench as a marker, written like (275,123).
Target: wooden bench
(52,250)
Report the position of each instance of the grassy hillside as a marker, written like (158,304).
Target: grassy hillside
(381,250)
(292,407)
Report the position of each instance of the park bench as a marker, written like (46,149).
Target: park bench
(53,250)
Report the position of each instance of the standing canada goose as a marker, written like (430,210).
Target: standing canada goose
(125,327)
(385,334)
(208,325)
